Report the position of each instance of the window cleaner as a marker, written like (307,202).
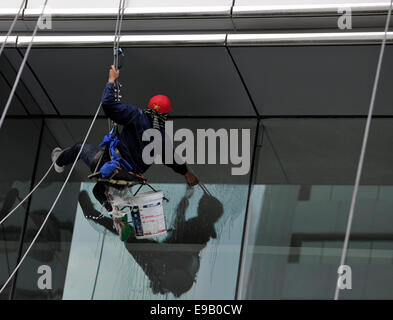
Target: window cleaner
(117,162)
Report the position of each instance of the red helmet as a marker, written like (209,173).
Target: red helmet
(160,103)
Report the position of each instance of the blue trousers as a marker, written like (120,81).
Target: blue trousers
(68,156)
(87,155)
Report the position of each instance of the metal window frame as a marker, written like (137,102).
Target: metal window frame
(209,11)
(11,41)
(154,40)
(260,11)
(205,40)
(132,12)
(326,38)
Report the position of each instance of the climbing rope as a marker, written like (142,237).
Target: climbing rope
(118,24)
(116,41)
(20,71)
(30,193)
(116,50)
(203,187)
(115,45)
(55,202)
(363,150)
(12,26)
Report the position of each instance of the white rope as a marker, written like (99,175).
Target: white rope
(1,122)
(116,48)
(20,71)
(117,36)
(30,193)
(117,31)
(363,150)
(203,187)
(54,203)
(116,41)
(12,26)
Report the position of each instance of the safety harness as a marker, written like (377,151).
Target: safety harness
(111,140)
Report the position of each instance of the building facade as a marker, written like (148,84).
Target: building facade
(286,72)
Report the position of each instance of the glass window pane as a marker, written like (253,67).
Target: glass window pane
(299,207)
(197,259)
(371,239)
(19,142)
(52,246)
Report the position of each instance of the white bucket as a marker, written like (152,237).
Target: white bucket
(147,214)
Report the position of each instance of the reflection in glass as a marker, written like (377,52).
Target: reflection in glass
(299,208)
(297,243)
(52,246)
(197,258)
(17,163)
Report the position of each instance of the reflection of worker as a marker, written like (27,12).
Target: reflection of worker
(169,267)
(129,144)
(200,229)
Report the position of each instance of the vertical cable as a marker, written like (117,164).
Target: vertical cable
(363,150)
(28,195)
(20,71)
(55,202)
(12,27)
(116,49)
(77,157)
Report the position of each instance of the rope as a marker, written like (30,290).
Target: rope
(363,150)
(12,26)
(203,187)
(21,68)
(116,49)
(30,193)
(12,94)
(116,42)
(54,203)
(117,38)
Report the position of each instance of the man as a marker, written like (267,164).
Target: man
(129,144)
